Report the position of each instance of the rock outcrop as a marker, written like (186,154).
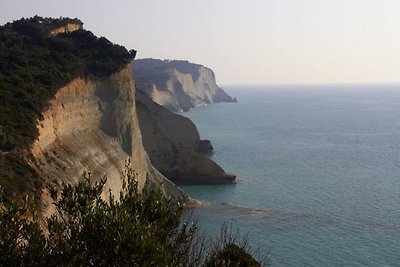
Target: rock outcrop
(68,27)
(172,142)
(91,125)
(178,85)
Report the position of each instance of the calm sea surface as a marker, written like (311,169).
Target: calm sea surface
(318,172)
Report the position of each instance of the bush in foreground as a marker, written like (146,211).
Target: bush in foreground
(140,229)
(229,249)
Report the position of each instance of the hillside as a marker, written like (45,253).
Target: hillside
(67,105)
(34,63)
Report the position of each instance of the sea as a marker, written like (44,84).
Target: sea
(318,172)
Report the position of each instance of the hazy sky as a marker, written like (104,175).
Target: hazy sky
(247,42)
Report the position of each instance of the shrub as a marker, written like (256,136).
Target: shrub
(141,228)
(231,255)
(230,249)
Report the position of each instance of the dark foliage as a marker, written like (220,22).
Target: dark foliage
(232,249)
(16,176)
(142,228)
(231,255)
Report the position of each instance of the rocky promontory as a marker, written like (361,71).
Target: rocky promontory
(178,85)
(174,147)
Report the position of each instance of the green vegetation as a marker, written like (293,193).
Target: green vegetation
(16,176)
(231,255)
(182,66)
(33,65)
(141,229)
(228,251)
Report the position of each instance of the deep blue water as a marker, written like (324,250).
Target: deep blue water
(318,172)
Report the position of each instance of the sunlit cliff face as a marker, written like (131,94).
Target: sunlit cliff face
(91,125)
(69,27)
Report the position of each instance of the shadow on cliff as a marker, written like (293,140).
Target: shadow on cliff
(172,142)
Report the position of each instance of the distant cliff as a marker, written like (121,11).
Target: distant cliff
(178,85)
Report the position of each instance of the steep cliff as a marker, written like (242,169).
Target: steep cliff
(67,106)
(178,85)
(91,124)
(172,142)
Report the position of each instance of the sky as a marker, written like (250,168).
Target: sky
(247,42)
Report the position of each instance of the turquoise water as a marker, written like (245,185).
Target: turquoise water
(318,172)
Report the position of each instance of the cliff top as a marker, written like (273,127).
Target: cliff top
(42,25)
(156,67)
(182,65)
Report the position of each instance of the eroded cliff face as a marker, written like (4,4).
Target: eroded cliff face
(178,85)
(69,27)
(91,125)
(172,142)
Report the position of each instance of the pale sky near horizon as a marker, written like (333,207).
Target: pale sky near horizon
(247,42)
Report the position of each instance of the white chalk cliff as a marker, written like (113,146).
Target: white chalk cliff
(178,85)
(91,125)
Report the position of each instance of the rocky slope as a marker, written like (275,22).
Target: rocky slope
(91,125)
(178,85)
(172,143)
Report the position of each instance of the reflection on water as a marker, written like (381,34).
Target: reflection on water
(237,212)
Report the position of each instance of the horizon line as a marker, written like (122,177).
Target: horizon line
(309,84)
